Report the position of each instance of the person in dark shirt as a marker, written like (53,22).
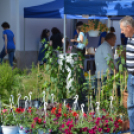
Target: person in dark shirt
(44,40)
(123,39)
(56,38)
(9,43)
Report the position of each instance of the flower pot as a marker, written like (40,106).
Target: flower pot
(22,132)
(125,96)
(93,33)
(9,129)
(41,132)
(125,125)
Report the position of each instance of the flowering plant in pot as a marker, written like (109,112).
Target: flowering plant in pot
(9,121)
(94,26)
(20,115)
(46,122)
(25,119)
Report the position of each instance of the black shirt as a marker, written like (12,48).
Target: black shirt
(56,40)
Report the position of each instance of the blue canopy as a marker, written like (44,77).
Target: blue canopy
(99,7)
(54,9)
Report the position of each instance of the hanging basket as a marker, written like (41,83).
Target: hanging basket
(93,33)
(125,96)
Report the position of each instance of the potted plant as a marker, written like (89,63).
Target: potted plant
(26,119)
(94,27)
(9,122)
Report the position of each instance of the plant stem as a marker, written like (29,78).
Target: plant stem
(102,85)
(98,88)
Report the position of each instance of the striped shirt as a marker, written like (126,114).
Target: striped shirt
(130,55)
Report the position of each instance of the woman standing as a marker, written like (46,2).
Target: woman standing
(9,46)
(44,40)
(81,40)
(56,38)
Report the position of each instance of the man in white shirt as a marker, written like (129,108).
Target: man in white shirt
(104,58)
(104,54)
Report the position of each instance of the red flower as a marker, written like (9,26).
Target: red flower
(108,130)
(68,106)
(53,110)
(59,110)
(75,114)
(36,119)
(85,115)
(84,129)
(60,105)
(19,110)
(65,115)
(58,115)
(29,110)
(100,129)
(39,120)
(92,113)
(33,124)
(120,121)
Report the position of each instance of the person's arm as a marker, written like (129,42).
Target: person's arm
(51,42)
(81,38)
(80,41)
(14,40)
(5,36)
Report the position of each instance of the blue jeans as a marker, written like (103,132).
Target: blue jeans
(10,55)
(130,101)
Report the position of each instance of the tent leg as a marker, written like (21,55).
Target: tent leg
(24,44)
(64,45)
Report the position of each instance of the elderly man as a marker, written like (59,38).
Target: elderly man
(127,27)
(104,54)
(104,58)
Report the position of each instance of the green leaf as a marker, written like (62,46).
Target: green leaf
(120,67)
(122,61)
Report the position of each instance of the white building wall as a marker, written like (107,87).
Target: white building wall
(5,15)
(116,25)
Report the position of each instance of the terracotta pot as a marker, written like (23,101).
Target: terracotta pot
(125,96)
(125,125)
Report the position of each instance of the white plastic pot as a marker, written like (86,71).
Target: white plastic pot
(93,33)
(22,132)
(41,132)
(9,129)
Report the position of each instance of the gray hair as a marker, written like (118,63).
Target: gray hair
(128,20)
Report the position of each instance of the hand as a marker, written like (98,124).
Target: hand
(72,40)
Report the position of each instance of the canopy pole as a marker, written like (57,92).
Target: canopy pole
(24,44)
(64,44)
